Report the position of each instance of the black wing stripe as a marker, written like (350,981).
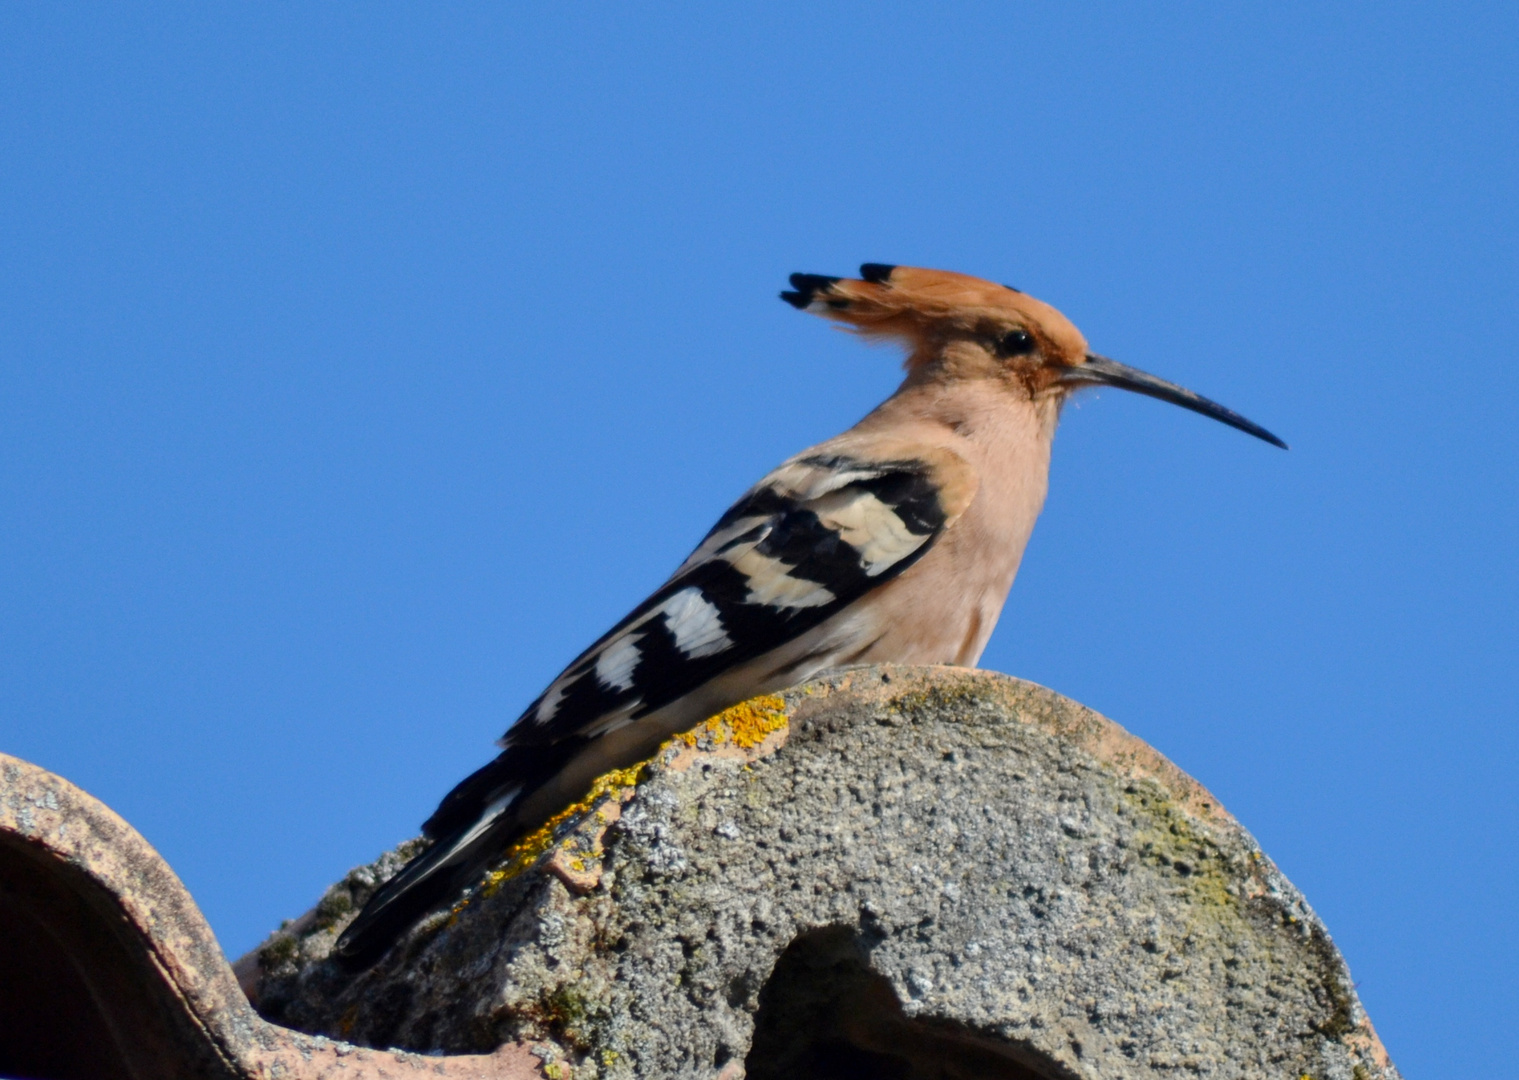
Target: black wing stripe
(816,553)
(914,499)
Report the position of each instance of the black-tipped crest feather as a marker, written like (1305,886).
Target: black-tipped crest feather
(807,287)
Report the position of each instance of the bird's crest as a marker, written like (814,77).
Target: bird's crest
(919,307)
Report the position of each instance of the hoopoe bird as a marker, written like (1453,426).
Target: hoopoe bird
(897,540)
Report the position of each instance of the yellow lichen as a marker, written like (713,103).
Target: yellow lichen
(525,852)
(745,726)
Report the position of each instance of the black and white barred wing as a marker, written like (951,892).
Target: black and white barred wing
(811,538)
(807,541)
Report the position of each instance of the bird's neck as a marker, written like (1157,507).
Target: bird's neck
(1005,435)
(995,425)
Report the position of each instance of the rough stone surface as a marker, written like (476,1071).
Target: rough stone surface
(897,872)
(109,971)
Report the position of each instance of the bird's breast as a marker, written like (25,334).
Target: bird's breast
(943,609)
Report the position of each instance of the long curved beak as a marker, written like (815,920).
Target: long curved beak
(1099,370)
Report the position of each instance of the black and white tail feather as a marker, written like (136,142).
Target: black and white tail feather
(807,541)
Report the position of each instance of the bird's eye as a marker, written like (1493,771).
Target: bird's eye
(1018,343)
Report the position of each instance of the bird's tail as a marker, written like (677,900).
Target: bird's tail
(470,830)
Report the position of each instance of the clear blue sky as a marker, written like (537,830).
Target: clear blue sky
(359,364)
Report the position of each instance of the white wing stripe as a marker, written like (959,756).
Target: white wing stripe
(869,526)
(614,667)
(695,623)
(550,703)
(770,581)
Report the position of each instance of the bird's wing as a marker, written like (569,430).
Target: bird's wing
(806,541)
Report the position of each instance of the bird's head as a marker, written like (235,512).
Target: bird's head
(961,327)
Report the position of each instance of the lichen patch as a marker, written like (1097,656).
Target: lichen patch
(574,834)
(569,845)
(746,732)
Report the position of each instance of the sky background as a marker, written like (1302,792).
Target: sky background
(360,364)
